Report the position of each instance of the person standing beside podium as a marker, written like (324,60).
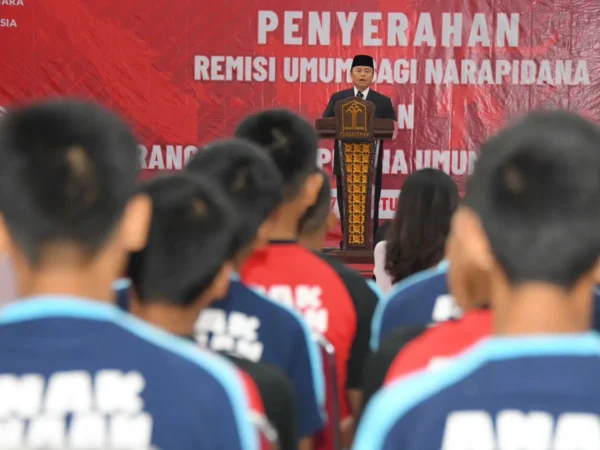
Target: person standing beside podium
(362,73)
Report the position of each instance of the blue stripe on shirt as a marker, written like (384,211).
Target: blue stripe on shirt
(316,363)
(393,402)
(403,285)
(64,306)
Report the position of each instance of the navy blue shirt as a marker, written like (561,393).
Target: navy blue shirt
(418,300)
(82,374)
(422,299)
(506,393)
(249,325)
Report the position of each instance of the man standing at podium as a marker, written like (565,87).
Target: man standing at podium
(362,73)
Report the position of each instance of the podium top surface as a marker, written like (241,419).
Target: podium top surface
(355,120)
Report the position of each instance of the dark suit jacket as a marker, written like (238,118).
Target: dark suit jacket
(383,110)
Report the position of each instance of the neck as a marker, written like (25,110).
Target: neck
(87,284)
(174,319)
(314,241)
(241,258)
(285,225)
(540,308)
(66,271)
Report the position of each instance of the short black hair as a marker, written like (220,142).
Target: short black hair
(290,140)
(191,236)
(68,169)
(536,190)
(248,176)
(315,217)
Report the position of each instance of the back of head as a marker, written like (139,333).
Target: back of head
(68,170)
(315,217)
(417,235)
(191,236)
(291,142)
(536,191)
(249,177)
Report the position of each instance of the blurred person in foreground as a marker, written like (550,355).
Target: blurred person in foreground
(409,349)
(314,226)
(244,322)
(172,278)
(74,368)
(417,235)
(531,222)
(288,272)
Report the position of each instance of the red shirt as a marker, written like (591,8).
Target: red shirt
(441,343)
(252,394)
(296,277)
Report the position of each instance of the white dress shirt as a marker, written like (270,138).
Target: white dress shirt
(364,93)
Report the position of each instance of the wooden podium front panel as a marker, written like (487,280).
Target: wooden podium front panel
(357,161)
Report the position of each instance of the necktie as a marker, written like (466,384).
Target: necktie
(359,94)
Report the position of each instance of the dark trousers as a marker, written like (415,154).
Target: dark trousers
(340,189)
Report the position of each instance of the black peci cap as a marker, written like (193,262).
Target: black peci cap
(363,61)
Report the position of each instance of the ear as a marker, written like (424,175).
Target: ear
(5,239)
(596,272)
(136,223)
(220,285)
(470,236)
(311,189)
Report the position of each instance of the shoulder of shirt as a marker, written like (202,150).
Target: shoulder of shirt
(146,334)
(177,355)
(337,266)
(380,245)
(343,92)
(275,305)
(355,283)
(398,294)
(416,282)
(443,337)
(378,94)
(427,341)
(395,401)
(261,372)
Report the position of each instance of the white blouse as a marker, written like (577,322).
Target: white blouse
(383,279)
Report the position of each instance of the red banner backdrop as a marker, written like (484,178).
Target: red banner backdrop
(187,71)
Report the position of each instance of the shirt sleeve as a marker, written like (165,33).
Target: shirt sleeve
(390,111)
(380,362)
(329,110)
(365,301)
(277,396)
(281,407)
(306,374)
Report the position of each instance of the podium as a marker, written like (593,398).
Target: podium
(358,137)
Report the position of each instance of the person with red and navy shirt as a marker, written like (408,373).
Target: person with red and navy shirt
(314,226)
(530,221)
(287,271)
(75,370)
(408,350)
(437,346)
(245,323)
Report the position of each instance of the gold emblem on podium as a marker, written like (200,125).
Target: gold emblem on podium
(355,119)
